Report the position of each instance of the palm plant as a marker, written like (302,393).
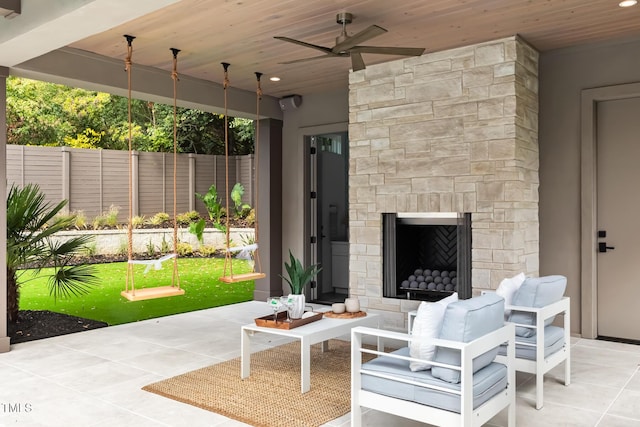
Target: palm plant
(31,222)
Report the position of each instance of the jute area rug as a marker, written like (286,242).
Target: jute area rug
(270,396)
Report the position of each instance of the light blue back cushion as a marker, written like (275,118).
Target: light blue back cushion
(464,321)
(536,292)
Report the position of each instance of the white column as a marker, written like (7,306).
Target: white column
(4,339)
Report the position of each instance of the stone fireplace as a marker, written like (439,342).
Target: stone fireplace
(451,131)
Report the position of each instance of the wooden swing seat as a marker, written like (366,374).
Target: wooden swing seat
(242,277)
(151,293)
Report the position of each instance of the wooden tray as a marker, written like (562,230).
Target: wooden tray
(345,315)
(268,322)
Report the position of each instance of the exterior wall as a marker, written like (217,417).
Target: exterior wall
(453,131)
(564,74)
(94,180)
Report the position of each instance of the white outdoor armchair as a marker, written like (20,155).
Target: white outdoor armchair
(541,346)
(464,386)
(548,348)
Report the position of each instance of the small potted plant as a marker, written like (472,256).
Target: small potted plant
(297,278)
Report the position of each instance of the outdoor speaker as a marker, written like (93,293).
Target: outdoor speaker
(290,102)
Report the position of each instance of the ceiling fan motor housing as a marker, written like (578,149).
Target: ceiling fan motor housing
(343,18)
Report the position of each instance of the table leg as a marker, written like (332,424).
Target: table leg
(305,365)
(245,356)
(325,346)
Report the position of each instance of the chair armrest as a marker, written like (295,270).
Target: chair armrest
(559,307)
(411,317)
(473,348)
(541,314)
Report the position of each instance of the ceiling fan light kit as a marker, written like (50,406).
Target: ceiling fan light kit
(349,46)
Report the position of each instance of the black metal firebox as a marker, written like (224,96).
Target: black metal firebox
(426,256)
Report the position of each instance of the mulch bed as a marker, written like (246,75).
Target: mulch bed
(34,325)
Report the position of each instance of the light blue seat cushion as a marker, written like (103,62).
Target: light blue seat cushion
(553,342)
(536,292)
(487,382)
(465,321)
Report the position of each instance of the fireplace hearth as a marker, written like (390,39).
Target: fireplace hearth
(426,256)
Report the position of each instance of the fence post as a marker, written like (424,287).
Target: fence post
(101,178)
(251,159)
(66,177)
(238,170)
(192,182)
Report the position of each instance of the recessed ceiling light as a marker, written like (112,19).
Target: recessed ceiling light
(628,3)
(274,79)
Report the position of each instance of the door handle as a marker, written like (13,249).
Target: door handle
(602,247)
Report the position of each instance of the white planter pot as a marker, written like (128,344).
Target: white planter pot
(296,309)
(352,305)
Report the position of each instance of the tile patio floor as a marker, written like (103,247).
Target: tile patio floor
(94,378)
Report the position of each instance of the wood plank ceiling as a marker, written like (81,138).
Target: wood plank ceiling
(241,32)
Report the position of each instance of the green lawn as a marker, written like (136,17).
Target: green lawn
(198,277)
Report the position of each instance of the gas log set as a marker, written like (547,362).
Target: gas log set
(431,280)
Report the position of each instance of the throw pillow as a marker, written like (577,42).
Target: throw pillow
(536,292)
(507,290)
(426,326)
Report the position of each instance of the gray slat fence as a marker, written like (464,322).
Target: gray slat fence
(94,180)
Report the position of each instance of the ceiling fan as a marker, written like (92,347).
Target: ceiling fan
(348,46)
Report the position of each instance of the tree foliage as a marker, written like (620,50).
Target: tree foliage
(40,113)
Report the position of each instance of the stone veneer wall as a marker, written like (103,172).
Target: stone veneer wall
(451,131)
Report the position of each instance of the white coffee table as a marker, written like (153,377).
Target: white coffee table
(312,333)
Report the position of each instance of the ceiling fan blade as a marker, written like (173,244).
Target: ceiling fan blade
(305,44)
(357,63)
(364,35)
(383,50)
(311,59)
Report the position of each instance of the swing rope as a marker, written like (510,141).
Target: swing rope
(257,169)
(225,85)
(175,278)
(127,67)
(161,291)
(250,251)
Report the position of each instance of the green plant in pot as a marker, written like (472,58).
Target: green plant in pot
(298,277)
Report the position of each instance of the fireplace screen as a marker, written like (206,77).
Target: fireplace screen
(427,256)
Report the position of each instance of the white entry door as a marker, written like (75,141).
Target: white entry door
(618,195)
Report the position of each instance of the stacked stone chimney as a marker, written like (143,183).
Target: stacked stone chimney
(451,131)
